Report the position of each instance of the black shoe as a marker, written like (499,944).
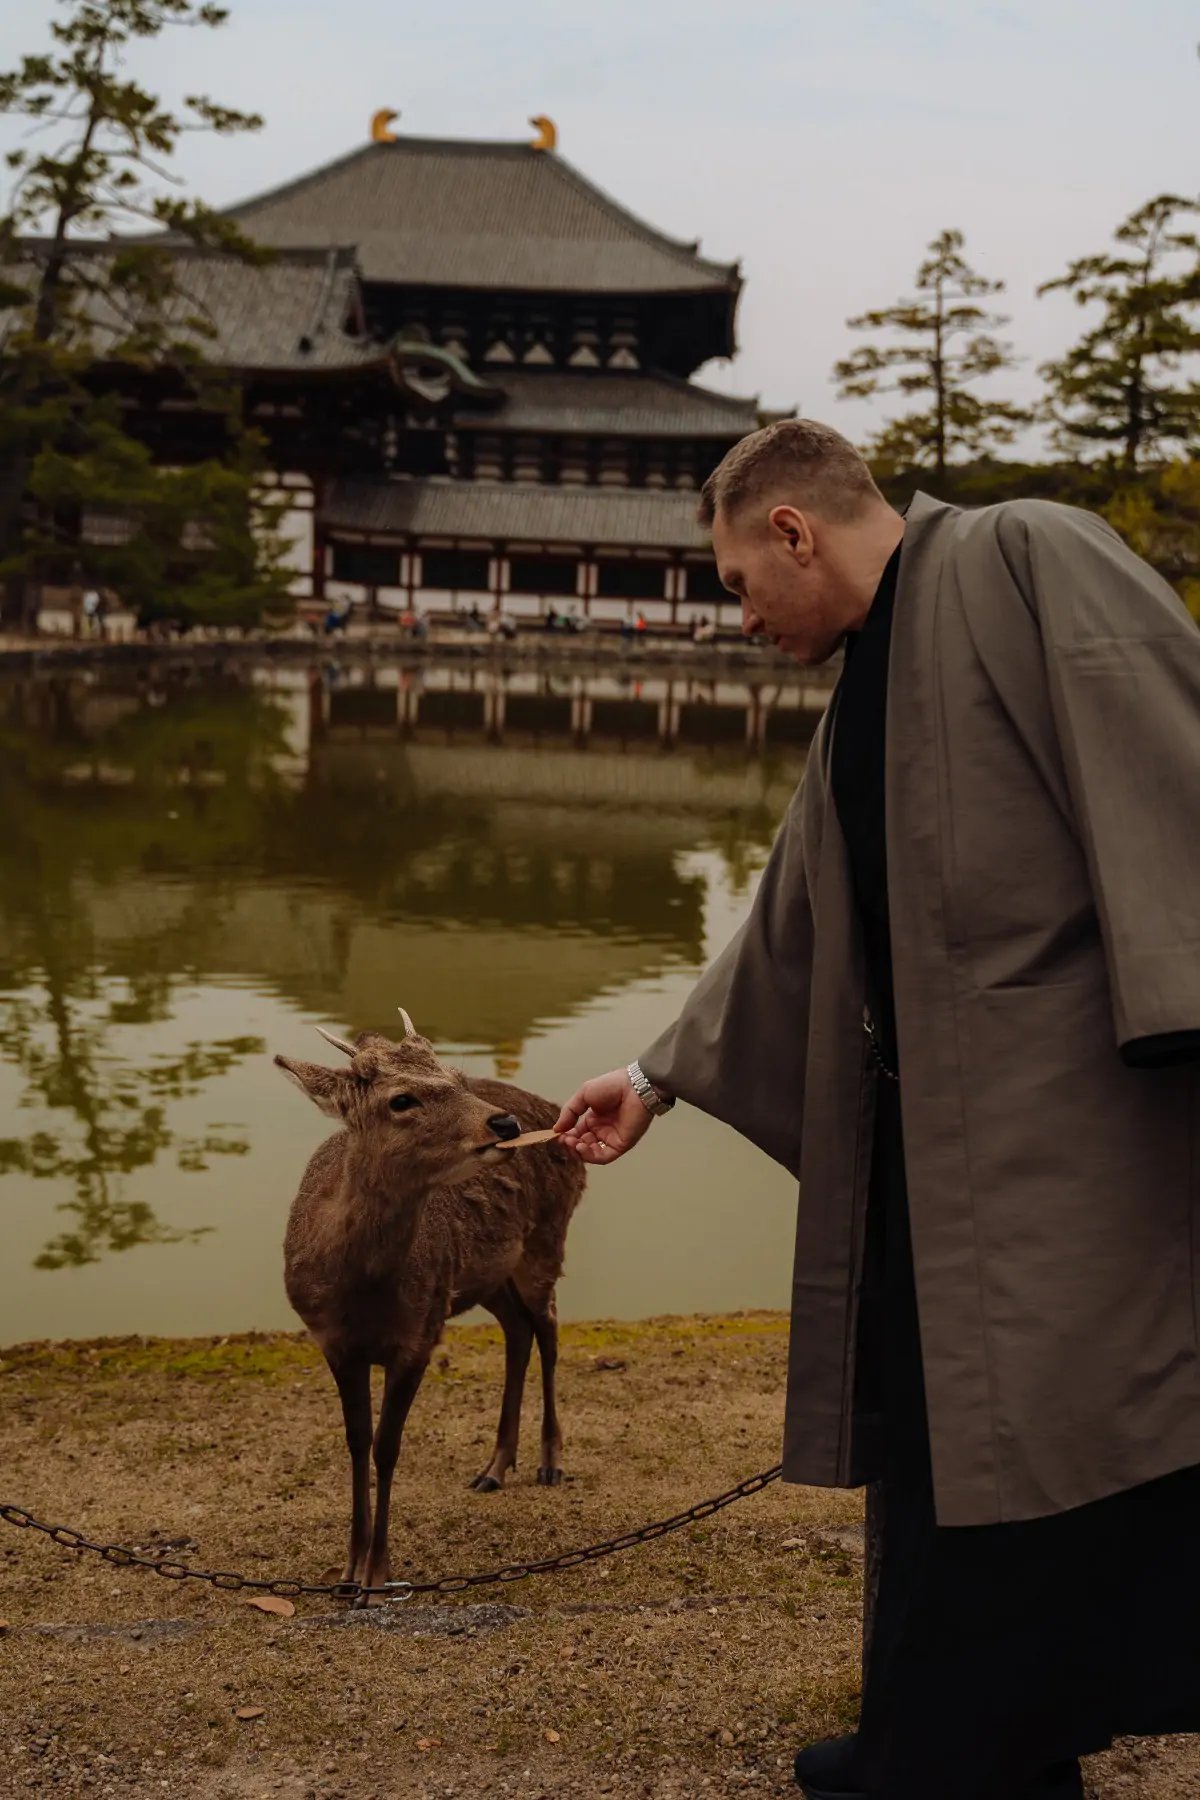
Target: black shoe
(832,1771)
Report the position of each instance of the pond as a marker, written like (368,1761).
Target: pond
(199,867)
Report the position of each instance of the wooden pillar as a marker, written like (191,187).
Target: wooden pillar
(413,565)
(756,722)
(319,554)
(668,717)
(675,582)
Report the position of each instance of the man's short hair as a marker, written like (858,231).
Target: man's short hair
(804,463)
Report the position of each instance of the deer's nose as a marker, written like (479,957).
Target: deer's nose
(504,1125)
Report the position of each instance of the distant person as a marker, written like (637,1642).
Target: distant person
(91,612)
(965,1012)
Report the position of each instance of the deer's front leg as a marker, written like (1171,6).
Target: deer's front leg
(518,1342)
(353,1377)
(401,1383)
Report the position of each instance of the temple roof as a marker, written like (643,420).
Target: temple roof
(289,314)
(452,213)
(512,512)
(617,405)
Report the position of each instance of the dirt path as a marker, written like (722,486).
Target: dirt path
(690,1667)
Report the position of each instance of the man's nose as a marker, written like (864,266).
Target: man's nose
(751,623)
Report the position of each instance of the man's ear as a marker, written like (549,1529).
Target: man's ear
(328,1089)
(793,526)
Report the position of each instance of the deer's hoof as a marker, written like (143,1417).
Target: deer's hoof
(550,1477)
(486,1484)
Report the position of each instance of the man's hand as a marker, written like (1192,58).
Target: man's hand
(604,1119)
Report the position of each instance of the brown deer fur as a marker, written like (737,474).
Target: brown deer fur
(413,1212)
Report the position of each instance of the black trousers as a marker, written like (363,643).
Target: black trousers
(1001,1649)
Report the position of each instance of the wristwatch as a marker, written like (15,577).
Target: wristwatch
(647,1093)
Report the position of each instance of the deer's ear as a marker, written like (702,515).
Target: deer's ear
(327,1088)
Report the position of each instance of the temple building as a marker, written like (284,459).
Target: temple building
(534,436)
(474,373)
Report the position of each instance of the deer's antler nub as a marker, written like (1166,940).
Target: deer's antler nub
(337,1042)
(410,1029)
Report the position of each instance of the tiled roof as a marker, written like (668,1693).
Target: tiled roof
(620,405)
(511,512)
(287,314)
(427,211)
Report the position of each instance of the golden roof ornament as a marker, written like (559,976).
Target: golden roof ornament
(547,130)
(379,127)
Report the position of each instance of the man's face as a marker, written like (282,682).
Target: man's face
(772,562)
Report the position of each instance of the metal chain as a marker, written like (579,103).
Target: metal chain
(124,1557)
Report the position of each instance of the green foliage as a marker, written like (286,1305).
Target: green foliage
(1156,510)
(119,135)
(1123,387)
(71,313)
(946,345)
(1158,515)
(201,546)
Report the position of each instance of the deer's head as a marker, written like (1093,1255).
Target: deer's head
(415,1117)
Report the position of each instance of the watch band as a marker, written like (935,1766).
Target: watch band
(647,1093)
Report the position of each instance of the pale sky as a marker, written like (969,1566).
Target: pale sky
(823,145)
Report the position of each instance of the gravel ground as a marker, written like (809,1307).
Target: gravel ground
(694,1666)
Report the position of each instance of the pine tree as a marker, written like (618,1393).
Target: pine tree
(62,441)
(934,359)
(1129,385)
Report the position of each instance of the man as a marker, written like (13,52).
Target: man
(964,1011)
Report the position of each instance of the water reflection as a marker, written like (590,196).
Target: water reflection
(497,855)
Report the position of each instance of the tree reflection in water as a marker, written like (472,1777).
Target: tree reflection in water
(61,1017)
(120,1123)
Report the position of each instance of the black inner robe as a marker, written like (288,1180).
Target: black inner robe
(1000,1649)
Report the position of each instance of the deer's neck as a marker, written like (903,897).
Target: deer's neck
(384,1205)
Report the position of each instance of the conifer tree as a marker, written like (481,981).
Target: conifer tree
(99,165)
(1131,385)
(946,345)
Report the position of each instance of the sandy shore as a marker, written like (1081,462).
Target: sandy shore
(690,1667)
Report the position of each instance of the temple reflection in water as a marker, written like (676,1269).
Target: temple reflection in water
(191,859)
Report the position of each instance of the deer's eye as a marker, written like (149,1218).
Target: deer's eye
(402,1103)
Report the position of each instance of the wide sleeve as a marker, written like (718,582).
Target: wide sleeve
(737,1050)
(1123,671)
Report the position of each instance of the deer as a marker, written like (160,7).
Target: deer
(427,1202)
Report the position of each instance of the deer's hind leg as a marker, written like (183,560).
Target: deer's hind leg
(517,1324)
(353,1378)
(543,1311)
